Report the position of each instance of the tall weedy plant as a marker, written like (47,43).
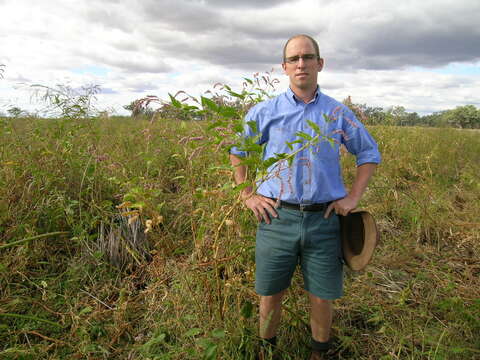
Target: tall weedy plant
(224,111)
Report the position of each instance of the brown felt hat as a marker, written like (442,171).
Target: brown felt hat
(359,238)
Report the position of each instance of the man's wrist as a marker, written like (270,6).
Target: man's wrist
(355,197)
(246,195)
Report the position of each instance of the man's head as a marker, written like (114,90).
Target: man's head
(302,62)
(312,40)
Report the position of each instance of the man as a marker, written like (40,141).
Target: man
(298,204)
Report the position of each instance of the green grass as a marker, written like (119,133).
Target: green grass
(61,299)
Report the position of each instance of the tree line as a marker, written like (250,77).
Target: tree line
(464,117)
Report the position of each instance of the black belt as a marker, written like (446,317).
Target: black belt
(305,207)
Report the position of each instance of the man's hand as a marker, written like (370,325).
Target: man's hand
(341,206)
(350,202)
(262,207)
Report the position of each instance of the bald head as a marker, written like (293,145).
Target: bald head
(312,40)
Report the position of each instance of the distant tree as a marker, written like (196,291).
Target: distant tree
(136,109)
(375,115)
(435,119)
(67,102)
(15,112)
(358,109)
(369,115)
(412,119)
(467,117)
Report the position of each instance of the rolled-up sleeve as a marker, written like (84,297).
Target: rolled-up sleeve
(358,141)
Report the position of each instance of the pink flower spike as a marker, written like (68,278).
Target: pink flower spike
(350,121)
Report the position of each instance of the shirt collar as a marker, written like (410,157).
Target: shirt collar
(293,98)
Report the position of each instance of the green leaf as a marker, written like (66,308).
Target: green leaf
(238,128)
(106,204)
(280,156)
(247,310)
(138,205)
(129,197)
(304,135)
(228,112)
(193,332)
(211,352)
(332,142)
(235,94)
(209,104)
(290,161)
(190,107)
(215,124)
(85,310)
(253,126)
(327,118)
(269,162)
(248,80)
(218,333)
(241,186)
(175,102)
(289,144)
(220,167)
(153,342)
(252,147)
(314,126)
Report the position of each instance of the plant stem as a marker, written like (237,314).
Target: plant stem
(19,242)
(28,317)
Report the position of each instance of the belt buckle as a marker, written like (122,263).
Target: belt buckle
(302,207)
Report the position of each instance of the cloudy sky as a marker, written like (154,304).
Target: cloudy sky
(423,55)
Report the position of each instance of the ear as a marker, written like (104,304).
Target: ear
(321,62)
(284,67)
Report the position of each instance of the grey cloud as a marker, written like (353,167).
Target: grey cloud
(430,47)
(279,29)
(404,40)
(125,45)
(244,54)
(332,85)
(199,30)
(182,16)
(245,3)
(142,87)
(137,85)
(110,17)
(127,63)
(139,67)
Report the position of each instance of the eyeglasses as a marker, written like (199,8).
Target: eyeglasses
(306,58)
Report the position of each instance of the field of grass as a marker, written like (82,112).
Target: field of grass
(186,291)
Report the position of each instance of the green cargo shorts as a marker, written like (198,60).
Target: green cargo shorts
(305,238)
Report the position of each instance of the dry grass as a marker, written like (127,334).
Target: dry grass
(194,298)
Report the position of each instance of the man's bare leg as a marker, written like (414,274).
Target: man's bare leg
(270,313)
(321,314)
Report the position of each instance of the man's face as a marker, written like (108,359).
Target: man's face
(304,72)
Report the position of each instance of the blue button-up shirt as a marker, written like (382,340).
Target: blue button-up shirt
(315,174)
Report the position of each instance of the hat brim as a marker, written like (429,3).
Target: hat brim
(359,238)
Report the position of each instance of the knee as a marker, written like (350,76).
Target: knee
(271,301)
(315,300)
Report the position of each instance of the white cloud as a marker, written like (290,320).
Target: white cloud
(371,47)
